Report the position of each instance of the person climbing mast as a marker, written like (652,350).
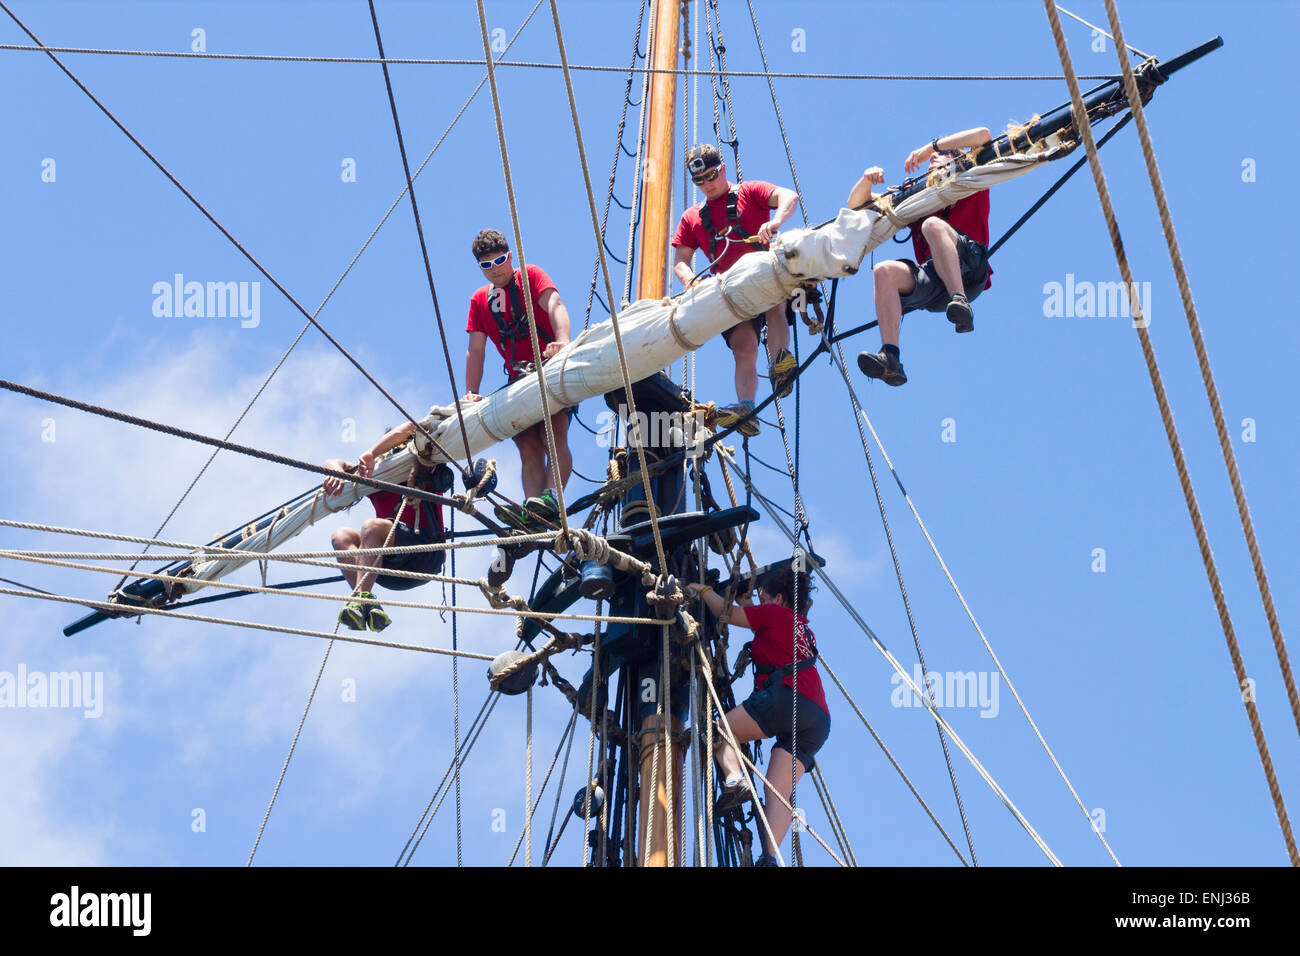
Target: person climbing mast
(497,312)
(951,248)
(419,522)
(735,219)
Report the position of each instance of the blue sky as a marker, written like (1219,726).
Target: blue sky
(1059,449)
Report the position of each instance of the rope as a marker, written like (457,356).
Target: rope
(635,430)
(419,229)
(824,793)
(224,231)
(558,485)
(613,171)
(1203,360)
(1115,26)
(567,734)
(634,219)
(219,443)
(906,678)
(276,628)
(907,605)
(1171,432)
(966,607)
(533,65)
(528,778)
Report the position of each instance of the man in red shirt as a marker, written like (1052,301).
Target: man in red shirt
(952,249)
(497,312)
(730,215)
(420,522)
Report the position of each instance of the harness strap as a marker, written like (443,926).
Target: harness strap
(733,221)
(517,328)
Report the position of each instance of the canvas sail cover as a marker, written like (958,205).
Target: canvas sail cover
(655,333)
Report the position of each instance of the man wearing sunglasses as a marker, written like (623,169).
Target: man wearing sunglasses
(497,312)
(951,247)
(733,220)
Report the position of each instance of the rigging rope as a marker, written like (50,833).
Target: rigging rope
(1203,360)
(419,229)
(1171,433)
(534,65)
(224,231)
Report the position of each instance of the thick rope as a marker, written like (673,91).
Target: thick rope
(1171,433)
(568,736)
(1203,360)
(275,628)
(556,484)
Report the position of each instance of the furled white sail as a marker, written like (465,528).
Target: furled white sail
(655,332)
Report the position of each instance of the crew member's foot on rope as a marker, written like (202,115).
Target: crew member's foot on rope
(543,507)
(882,365)
(767,859)
(734,794)
(517,519)
(376,616)
(782,373)
(960,314)
(729,415)
(353,615)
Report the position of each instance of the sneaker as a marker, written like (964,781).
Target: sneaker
(733,795)
(729,415)
(767,859)
(517,519)
(376,617)
(882,366)
(960,314)
(544,506)
(353,616)
(782,372)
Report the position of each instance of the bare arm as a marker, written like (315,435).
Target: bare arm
(474,363)
(714,602)
(550,301)
(860,194)
(976,136)
(682,260)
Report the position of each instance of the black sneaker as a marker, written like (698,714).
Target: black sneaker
(883,366)
(544,507)
(960,314)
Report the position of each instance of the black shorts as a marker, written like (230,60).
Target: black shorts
(423,562)
(759,323)
(931,295)
(774,711)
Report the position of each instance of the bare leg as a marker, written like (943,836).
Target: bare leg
(745,729)
(744,349)
(778,331)
(374,533)
(943,248)
(344,540)
(778,815)
(532,460)
(893,279)
(563,457)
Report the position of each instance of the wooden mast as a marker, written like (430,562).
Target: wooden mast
(660,162)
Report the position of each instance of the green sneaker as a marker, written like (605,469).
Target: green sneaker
(378,618)
(544,506)
(515,518)
(353,616)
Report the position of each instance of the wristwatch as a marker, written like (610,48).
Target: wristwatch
(934,144)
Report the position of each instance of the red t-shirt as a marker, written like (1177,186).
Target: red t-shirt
(490,301)
(969,216)
(386,503)
(773,644)
(752,209)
